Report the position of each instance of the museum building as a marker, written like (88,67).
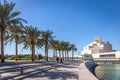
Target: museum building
(100,49)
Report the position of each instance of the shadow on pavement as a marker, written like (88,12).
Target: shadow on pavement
(52,75)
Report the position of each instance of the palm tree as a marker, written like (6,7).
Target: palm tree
(59,49)
(47,37)
(67,48)
(8,18)
(53,46)
(60,46)
(73,48)
(15,33)
(63,45)
(32,39)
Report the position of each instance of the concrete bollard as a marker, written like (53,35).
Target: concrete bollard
(21,69)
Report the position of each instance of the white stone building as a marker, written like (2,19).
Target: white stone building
(99,49)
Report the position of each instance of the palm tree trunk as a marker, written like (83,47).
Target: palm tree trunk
(72,55)
(62,56)
(33,52)
(16,46)
(2,46)
(59,56)
(46,52)
(67,56)
(54,55)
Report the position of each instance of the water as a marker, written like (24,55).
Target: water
(108,71)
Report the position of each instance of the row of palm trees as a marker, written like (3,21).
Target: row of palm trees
(11,29)
(63,48)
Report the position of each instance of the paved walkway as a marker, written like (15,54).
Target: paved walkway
(68,71)
(65,72)
(85,74)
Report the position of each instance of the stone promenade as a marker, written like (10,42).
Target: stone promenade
(54,71)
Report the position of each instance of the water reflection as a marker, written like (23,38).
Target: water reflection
(108,71)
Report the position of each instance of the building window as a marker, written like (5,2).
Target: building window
(107,56)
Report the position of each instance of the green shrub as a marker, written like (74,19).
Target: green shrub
(12,58)
(26,58)
(40,56)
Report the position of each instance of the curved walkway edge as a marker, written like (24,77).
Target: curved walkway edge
(85,73)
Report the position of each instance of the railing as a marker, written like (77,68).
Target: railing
(106,59)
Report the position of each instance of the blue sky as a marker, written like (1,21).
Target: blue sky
(76,21)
